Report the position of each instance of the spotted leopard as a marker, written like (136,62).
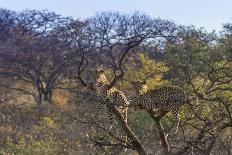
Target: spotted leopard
(101,85)
(165,98)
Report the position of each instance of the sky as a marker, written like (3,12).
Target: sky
(210,14)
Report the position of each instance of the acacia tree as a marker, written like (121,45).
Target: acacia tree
(34,54)
(203,67)
(112,37)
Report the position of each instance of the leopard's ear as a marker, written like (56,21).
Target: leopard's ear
(101,71)
(144,82)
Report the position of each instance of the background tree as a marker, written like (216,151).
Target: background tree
(34,55)
(198,64)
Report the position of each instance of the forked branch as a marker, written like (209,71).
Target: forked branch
(119,67)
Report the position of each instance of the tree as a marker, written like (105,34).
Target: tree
(113,36)
(34,55)
(202,67)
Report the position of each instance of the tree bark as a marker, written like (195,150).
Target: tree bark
(138,146)
(163,136)
(47,96)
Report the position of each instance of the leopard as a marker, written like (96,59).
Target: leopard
(100,83)
(167,98)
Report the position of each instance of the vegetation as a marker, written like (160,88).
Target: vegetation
(47,108)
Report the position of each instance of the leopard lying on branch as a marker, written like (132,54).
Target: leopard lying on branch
(164,98)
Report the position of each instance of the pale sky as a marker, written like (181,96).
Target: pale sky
(201,13)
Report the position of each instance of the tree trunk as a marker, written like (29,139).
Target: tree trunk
(47,96)
(125,114)
(138,146)
(163,136)
(40,98)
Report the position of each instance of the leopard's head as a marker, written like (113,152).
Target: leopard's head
(97,76)
(140,86)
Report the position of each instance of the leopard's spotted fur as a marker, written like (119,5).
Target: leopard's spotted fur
(116,96)
(166,98)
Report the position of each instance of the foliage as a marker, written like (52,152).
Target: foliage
(30,147)
(145,69)
(45,59)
